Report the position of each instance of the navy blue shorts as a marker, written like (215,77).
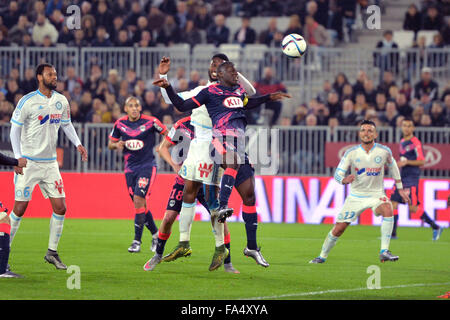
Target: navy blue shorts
(139,182)
(413,195)
(230,145)
(225,144)
(176,196)
(245,171)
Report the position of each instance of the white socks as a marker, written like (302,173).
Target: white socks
(386,231)
(218,231)
(56,227)
(15,223)
(187,215)
(328,244)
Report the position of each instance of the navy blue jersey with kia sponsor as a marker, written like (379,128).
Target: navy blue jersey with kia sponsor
(225,106)
(412,150)
(181,135)
(139,137)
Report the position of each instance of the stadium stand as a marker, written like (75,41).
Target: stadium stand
(403,38)
(130,37)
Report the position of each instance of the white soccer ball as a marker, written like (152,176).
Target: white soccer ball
(294,45)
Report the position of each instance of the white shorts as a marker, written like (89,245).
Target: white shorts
(46,174)
(199,166)
(354,206)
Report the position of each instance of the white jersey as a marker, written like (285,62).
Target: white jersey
(200,119)
(368,169)
(40,118)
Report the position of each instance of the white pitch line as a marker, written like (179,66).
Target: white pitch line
(312,293)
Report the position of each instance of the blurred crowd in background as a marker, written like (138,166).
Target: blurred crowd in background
(148,23)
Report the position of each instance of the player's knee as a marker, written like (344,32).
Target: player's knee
(139,202)
(189,196)
(386,211)
(248,198)
(388,214)
(169,218)
(19,208)
(60,210)
(338,229)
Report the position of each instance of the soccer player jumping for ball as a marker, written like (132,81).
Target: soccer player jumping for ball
(135,135)
(199,169)
(225,103)
(366,162)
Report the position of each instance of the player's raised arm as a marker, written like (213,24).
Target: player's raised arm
(163,68)
(176,100)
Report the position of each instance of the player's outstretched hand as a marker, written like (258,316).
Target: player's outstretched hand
(162,83)
(82,150)
(22,162)
(404,193)
(164,65)
(279,96)
(348,179)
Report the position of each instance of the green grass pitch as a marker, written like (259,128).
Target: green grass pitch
(108,271)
